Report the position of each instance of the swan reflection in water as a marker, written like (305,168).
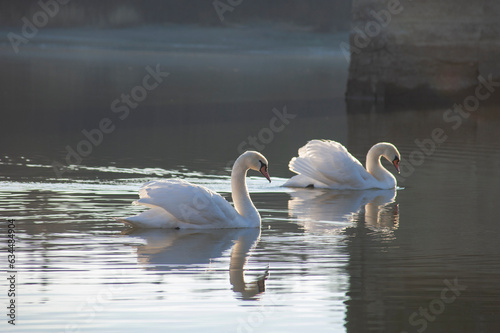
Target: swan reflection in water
(330,211)
(167,250)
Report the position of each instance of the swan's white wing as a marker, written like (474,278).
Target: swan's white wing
(187,205)
(156,217)
(330,163)
(304,181)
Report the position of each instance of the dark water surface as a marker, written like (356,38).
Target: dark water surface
(424,258)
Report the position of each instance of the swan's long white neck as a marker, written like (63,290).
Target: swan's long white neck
(373,165)
(241,199)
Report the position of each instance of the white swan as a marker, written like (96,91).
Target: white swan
(328,164)
(182,205)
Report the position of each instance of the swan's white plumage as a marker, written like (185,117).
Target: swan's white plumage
(328,164)
(177,203)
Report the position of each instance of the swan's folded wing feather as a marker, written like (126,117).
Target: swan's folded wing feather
(329,162)
(304,181)
(304,167)
(188,203)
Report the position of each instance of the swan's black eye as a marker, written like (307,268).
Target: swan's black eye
(263,165)
(396,159)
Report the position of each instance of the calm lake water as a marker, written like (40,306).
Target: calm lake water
(423,258)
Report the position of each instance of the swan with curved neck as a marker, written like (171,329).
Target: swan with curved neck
(375,168)
(239,192)
(328,164)
(182,205)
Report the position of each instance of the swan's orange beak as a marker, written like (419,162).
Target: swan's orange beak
(263,171)
(395,161)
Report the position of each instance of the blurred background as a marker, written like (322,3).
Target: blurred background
(224,66)
(66,65)
(321,15)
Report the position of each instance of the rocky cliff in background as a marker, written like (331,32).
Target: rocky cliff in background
(406,51)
